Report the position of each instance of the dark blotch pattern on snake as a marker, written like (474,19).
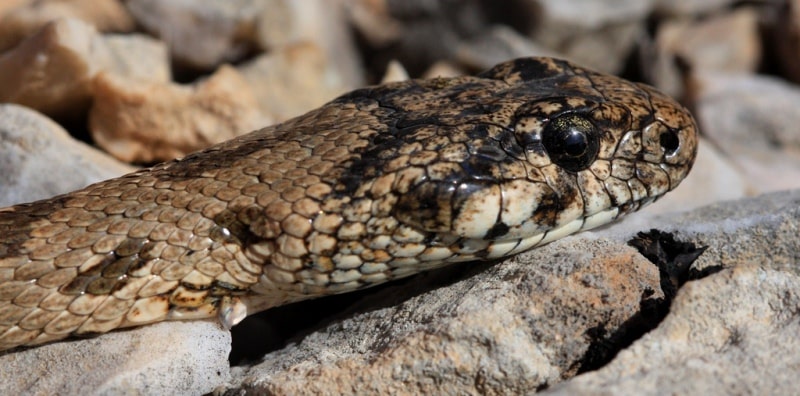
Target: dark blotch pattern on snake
(379,184)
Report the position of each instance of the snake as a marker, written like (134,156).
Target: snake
(379,184)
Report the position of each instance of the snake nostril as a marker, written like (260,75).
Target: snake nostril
(670,142)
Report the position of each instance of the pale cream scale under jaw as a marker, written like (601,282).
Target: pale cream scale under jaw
(379,184)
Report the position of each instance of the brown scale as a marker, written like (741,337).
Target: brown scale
(379,184)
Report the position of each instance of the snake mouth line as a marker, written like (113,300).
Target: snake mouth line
(504,248)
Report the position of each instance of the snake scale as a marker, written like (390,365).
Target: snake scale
(379,184)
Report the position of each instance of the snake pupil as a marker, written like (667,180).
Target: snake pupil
(571,142)
(575,142)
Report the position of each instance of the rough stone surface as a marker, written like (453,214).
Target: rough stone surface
(753,121)
(161,359)
(283,23)
(200,34)
(373,19)
(137,56)
(732,333)
(38,158)
(509,329)
(600,34)
(498,44)
(690,7)
(760,230)
(727,43)
(52,70)
(148,122)
(276,78)
(25,18)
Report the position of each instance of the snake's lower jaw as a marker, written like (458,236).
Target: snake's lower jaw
(501,249)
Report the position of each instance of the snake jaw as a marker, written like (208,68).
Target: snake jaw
(618,155)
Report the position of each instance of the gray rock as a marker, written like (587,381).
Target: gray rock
(753,121)
(760,230)
(22,18)
(38,158)
(145,122)
(496,45)
(161,359)
(275,79)
(690,7)
(200,34)
(52,70)
(285,23)
(598,34)
(732,333)
(509,329)
(725,42)
(137,56)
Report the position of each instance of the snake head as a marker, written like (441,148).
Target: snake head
(553,150)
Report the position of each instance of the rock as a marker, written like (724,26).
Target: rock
(148,122)
(715,175)
(283,23)
(761,230)
(507,329)
(599,35)
(720,336)
(38,158)
(395,72)
(11,5)
(138,57)
(728,42)
(753,121)
(374,20)
(418,33)
(443,69)
(784,32)
(200,34)
(28,17)
(690,7)
(52,71)
(164,358)
(499,44)
(293,80)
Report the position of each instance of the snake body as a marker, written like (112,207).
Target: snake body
(379,184)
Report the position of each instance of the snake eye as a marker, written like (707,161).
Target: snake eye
(670,142)
(571,142)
